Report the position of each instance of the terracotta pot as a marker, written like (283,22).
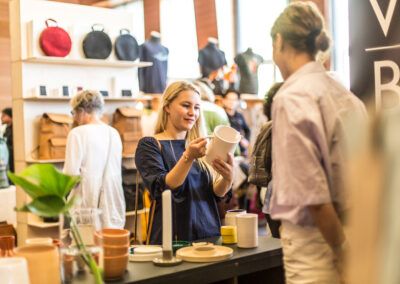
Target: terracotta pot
(115,266)
(7,246)
(43,263)
(113,237)
(115,250)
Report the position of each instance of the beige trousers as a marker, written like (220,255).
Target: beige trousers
(306,256)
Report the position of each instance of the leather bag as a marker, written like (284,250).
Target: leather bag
(97,44)
(54,129)
(127,121)
(260,168)
(126,46)
(55,41)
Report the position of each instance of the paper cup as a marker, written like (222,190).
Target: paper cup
(14,270)
(223,141)
(247,230)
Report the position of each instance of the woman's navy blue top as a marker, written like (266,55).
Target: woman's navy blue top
(194,204)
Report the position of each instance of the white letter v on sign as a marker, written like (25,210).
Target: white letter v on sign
(384,21)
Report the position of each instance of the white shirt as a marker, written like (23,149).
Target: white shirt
(86,155)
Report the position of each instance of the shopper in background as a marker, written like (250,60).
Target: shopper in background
(214,115)
(236,119)
(94,152)
(172,160)
(309,114)
(6,119)
(265,195)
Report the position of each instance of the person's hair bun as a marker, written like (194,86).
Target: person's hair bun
(322,41)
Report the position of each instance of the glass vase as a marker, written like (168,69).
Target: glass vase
(81,243)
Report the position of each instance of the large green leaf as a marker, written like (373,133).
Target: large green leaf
(47,179)
(47,206)
(30,188)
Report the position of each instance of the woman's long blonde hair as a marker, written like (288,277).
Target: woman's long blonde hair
(170,94)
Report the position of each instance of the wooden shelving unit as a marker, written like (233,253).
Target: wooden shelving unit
(31,69)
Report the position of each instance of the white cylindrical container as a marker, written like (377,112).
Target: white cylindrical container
(224,141)
(230,216)
(247,230)
(14,270)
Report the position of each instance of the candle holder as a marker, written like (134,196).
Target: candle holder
(167,259)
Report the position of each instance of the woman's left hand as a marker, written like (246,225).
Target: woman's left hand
(225,169)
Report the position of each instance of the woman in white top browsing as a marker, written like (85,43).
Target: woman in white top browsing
(94,151)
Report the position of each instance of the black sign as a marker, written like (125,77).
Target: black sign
(375,51)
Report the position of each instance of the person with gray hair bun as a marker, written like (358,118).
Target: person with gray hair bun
(94,152)
(310,116)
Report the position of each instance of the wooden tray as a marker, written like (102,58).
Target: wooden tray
(204,253)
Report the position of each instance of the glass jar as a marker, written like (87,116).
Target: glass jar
(80,242)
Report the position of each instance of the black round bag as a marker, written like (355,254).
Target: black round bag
(126,46)
(97,44)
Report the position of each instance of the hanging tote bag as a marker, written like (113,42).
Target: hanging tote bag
(55,41)
(97,44)
(126,46)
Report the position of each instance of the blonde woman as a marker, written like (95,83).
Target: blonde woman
(172,160)
(94,151)
(310,113)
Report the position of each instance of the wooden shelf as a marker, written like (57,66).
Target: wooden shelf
(64,99)
(43,225)
(37,161)
(58,161)
(141,211)
(87,62)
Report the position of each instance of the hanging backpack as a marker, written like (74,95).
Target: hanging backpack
(55,41)
(97,44)
(126,46)
(127,120)
(260,170)
(53,132)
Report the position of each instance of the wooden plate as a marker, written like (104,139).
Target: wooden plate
(204,253)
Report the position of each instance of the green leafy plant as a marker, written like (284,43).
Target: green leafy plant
(48,188)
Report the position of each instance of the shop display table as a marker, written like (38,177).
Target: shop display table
(259,265)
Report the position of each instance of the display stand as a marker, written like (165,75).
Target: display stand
(32,69)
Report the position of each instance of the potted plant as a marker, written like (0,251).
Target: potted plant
(48,188)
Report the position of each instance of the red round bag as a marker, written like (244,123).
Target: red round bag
(55,41)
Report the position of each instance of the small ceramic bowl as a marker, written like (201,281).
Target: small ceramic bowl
(115,250)
(115,266)
(113,237)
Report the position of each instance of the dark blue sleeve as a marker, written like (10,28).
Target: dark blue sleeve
(246,129)
(150,165)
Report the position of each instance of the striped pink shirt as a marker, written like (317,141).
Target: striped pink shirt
(310,114)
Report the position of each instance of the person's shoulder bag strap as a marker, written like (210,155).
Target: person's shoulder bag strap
(105,168)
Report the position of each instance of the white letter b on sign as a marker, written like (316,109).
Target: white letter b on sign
(390,86)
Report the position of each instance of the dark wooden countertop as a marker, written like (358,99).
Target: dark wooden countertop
(267,255)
